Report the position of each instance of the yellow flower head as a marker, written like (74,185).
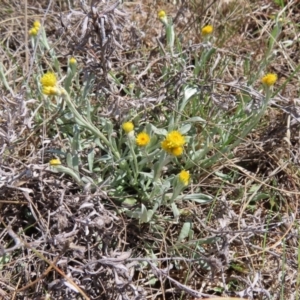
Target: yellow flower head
(51,90)
(72,61)
(36,24)
(49,80)
(164,145)
(35,28)
(54,162)
(175,139)
(142,139)
(207,30)
(161,14)
(269,79)
(163,17)
(173,143)
(128,127)
(33,31)
(177,151)
(184,177)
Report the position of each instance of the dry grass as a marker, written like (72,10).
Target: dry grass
(63,240)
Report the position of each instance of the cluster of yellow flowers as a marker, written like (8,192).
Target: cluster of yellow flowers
(173,143)
(35,28)
(49,83)
(142,139)
(206,30)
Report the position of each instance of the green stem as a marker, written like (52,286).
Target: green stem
(88,125)
(134,161)
(163,160)
(247,129)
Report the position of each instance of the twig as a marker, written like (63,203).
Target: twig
(160,273)
(66,246)
(51,264)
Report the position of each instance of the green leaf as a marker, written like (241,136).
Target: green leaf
(185,231)
(175,211)
(238,268)
(223,176)
(184,129)
(189,92)
(69,160)
(254,188)
(151,281)
(261,196)
(159,131)
(147,175)
(195,119)
(4,260)
(87,179)
(129,202)
(199,198)
(68,171)
(274,34)
(91,157)
(143,214)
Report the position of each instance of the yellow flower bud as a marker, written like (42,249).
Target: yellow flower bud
(184,177)
(128,127)
(33,31)
(37,24)
(161,14)
(163,17)
(54,162)
(207,30)
(72,61)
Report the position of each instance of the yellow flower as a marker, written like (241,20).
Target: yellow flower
(163,17)
(72,61)
(207,30)
(184,177)
(128,127)
(35,28)
(269,79)
(49,79)
(173,143)
(54,162)
(142,139)
(36,24)
(49,85)
(175,139)
(164,145)
(161,14)
(51,90)
(33,31)
(177,151)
